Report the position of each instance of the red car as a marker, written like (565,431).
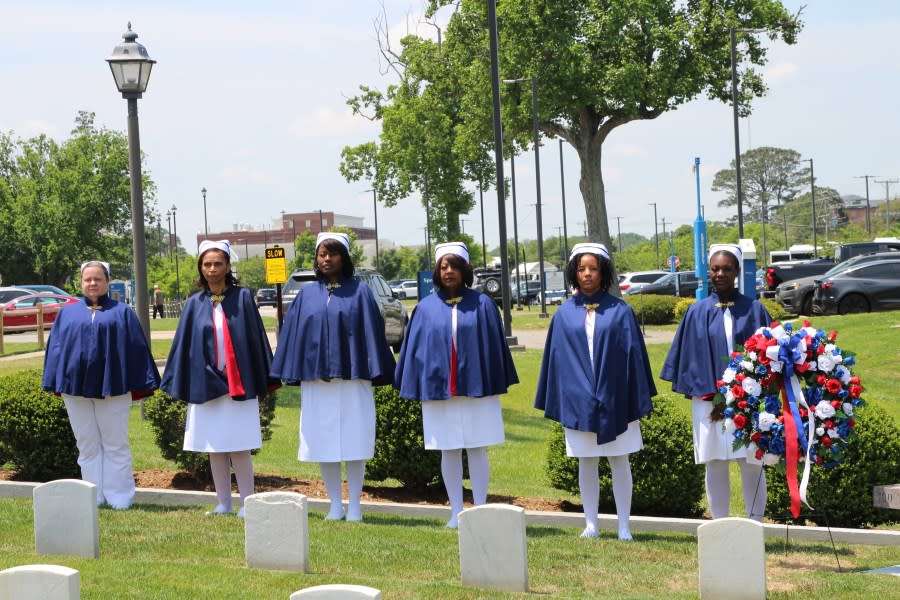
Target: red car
(20,314)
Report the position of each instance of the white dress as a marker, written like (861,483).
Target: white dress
(337,420)
(584,444)
(222,424)
(462,421)
(711,442)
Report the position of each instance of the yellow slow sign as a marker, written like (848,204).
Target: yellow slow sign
(276,265)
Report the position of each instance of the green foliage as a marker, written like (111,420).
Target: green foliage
(842,495)
(653,309)
(402,262)
(167,415)
(682,307)
(304,249)
(776,311)
(252,272)
(35,434)
(666,480)
(357,252)
(399,447)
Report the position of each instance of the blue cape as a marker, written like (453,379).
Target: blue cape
(191,373)
(106,357)
(603,397)
(484,364)
(341,339)
(700,352)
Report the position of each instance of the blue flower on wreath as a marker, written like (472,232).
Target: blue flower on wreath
(843,430)
(752,402)
(772,404)
(729,412)
(850,361)
(789,327)
(776,445)
(761,370)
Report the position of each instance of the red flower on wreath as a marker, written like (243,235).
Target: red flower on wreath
(826,441)
(737,391)
(833,386)
(855,390)
(820,380)
(739,421)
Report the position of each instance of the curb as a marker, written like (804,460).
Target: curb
(789,533)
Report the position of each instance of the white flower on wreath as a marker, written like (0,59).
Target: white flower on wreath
(832,433)
(777,332)
(752,356)
(751,386)
(728,375)
(825,363)
(729,426)
(729,397)
(820,431)
(766,420)
(848,409)
(824,410)
(771,459)
(776,366)
(844,375)
(829,350)
(746,365)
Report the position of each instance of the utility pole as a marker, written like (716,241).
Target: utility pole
(868,205)
(655,231)
(887,199)
(619,229)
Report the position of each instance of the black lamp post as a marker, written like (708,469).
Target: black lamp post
(562,185)
(536,135)
(205,224)
(656,232)
(169,240)
(175,247)
(512,169)
(130,65)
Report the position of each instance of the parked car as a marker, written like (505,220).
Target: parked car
(19,314)
(43,288)
(395,286)
(638,279)
(393,311)
(554,297)
(870,286)
(796,296)
(851,249)
(530,291)
(410,288)
(8,293)
(665,285)
(490,282)
(266,297)
(778,273)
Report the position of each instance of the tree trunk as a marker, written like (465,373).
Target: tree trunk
(590,153)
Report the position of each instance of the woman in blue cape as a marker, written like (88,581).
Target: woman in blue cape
(333,345)
(596,382)
(456,361)
(219,364)
(99,360)
(706,337)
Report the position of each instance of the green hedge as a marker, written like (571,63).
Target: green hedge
(399,445)
(776,311)
(667,483)
(842,495)
(166,416)
(653,309)
(35,434)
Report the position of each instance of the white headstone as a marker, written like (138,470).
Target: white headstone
(887,496)
(492,548)
(40,582)
(732,559)
(65,518)
(337,591)
(276,532)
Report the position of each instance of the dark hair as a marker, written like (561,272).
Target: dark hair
(457,262)
(737,264)
(230,279)
(602,262)
(334,246)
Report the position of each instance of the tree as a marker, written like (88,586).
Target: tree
(600,65)
(64,203)
(357,252)
(304,249)
(795,218)
(770,177)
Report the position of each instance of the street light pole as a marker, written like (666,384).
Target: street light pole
(562,185)
(205,224)
(737,139)
(375,211)
(812,185)
(175,241)
(169,240)
(512,169)
(656,231)
(131,65)
(619,230)
(483,243)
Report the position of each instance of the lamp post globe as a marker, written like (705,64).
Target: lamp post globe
(131,65)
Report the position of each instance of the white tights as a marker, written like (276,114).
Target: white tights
(718,488)
(221,464)
(589,485)
(452,472)
(331,474)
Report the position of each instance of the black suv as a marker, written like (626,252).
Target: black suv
(490,282)
(665,285)
(393,311)
(266,297)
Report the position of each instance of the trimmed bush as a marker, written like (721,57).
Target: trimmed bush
(399,445)
(667,483)
(776,311)
(653,309)
(35,434)
(842,495)
(166,416)
(682,307)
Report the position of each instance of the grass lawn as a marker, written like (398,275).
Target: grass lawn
(177,553)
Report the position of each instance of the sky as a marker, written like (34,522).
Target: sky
(248,99)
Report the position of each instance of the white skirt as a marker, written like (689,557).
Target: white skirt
(462,422)
(583,444)
(222,425)
(337,420)
(711,442)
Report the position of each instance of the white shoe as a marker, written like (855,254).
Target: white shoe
(240,513)
(218,511)
(590,532)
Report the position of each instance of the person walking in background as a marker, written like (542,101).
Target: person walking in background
(333,346)
(219,364)
(456,361)
(596,382)
(158,302)
(98,360)
(704,341)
